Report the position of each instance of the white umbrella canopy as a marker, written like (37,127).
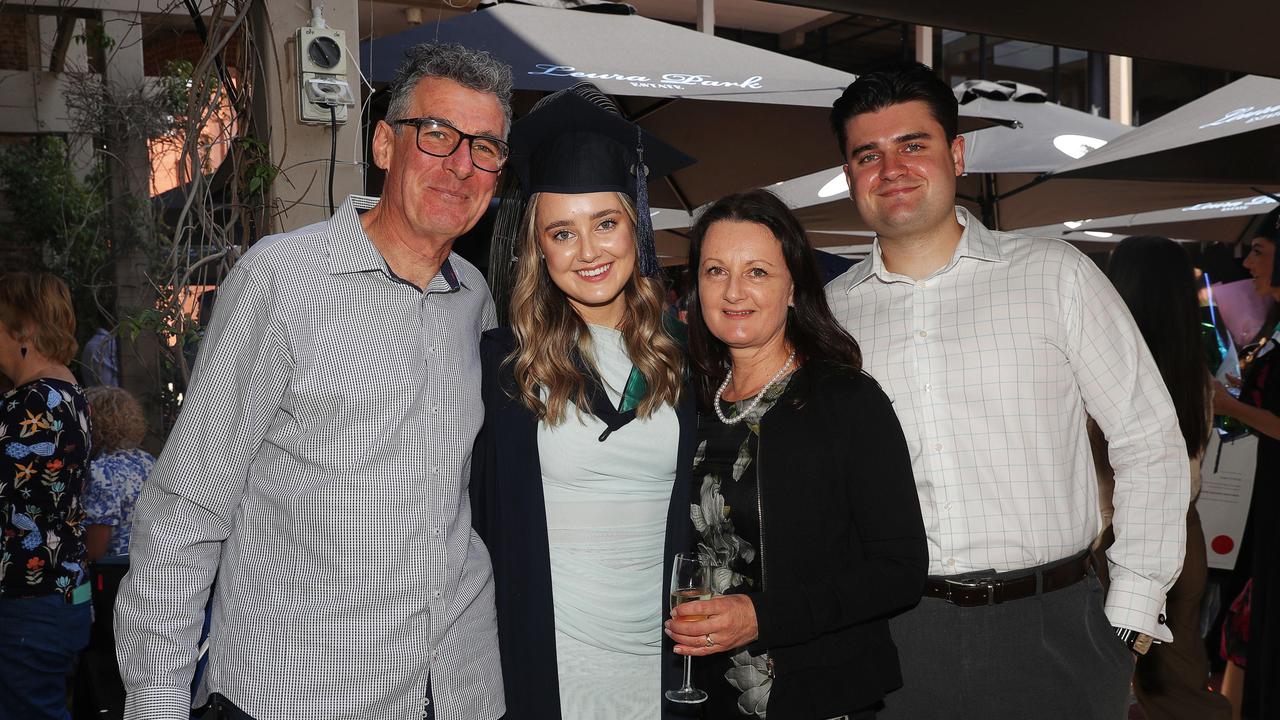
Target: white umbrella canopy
(1045,136)
(1225,221)
(751,117)
(1223,146)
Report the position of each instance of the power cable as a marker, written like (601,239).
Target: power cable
(333,152)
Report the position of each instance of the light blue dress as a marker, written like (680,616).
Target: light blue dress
(116,480)
(606,505)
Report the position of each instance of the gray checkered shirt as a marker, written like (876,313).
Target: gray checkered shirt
(319,471)
(992,363)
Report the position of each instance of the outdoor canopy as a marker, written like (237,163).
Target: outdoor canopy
(1047,136)
(751,117)
(1223,146)
(1226,221)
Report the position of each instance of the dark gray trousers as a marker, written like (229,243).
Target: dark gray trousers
(1050,657)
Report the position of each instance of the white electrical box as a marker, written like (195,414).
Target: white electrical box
(322,70)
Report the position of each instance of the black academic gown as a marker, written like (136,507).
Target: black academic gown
(509,513)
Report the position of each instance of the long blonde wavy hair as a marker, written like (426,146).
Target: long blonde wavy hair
(545,324)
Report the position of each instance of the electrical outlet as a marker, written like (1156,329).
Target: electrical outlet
(322,62)
(322,51)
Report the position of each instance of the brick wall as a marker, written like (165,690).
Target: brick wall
(163,45)
(13,41)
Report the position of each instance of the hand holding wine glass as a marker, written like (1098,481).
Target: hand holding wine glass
(690,582)
(718,624)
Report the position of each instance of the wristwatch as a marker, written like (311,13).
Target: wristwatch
(1139,642)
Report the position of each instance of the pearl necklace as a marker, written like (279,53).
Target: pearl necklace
(759,396)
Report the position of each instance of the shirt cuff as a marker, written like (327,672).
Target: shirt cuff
(1138,604)
(158,703)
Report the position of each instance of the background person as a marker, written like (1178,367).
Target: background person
(1154,277)
(1254,635)
(580,482)
(320,462)
(44,456)
(117,470)
(806,500)
(994,348)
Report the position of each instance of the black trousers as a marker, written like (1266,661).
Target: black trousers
(1053,656)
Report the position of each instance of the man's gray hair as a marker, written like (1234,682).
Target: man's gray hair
(475,69)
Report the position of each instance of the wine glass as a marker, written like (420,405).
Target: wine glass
(690,580)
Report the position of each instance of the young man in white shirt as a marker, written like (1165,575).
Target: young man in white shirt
(995,348)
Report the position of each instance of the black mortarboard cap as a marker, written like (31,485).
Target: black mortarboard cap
(569,144)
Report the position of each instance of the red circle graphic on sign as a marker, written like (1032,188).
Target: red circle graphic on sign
(1222,544)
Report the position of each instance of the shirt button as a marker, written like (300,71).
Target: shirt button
(923,333)
(922,285)
(435,411)
(436,594)
(937,447)
(946,506)
(928,387)
(435,531)
(951,562)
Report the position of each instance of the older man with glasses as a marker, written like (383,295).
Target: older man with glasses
(315,482)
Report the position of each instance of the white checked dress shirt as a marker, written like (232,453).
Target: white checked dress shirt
(319,469)
(992,363)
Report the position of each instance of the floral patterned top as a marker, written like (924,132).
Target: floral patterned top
(117,479)
(44,449)
(727,520)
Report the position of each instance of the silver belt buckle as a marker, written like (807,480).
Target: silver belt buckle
(988,583)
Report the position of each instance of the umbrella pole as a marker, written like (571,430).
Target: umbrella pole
(990,208)
(679,193)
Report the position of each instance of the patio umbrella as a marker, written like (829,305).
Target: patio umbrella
(751,117)
(1225,221)
(1223,146)
(1045,136)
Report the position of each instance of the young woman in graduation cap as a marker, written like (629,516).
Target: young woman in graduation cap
(580,482)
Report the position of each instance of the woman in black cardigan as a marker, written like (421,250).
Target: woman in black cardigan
(580,475)
(808,508)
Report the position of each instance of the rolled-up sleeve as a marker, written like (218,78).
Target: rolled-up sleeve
(187,505)
(1124,393)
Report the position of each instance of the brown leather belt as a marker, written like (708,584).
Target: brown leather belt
(970,591)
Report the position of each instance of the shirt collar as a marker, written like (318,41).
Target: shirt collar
(976,241)
(351,250)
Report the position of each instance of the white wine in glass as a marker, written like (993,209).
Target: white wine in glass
(680,597)
(690,580)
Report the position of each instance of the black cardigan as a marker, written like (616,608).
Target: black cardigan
(509,513)
(843,543)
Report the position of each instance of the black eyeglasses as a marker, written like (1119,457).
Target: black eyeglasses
(440,139)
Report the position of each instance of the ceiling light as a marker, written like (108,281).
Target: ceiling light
(1077,146)
(835,186)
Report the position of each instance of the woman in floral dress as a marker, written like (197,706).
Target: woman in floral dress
(44,448)
(807,507)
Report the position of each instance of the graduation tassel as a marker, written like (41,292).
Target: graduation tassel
(645,247)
